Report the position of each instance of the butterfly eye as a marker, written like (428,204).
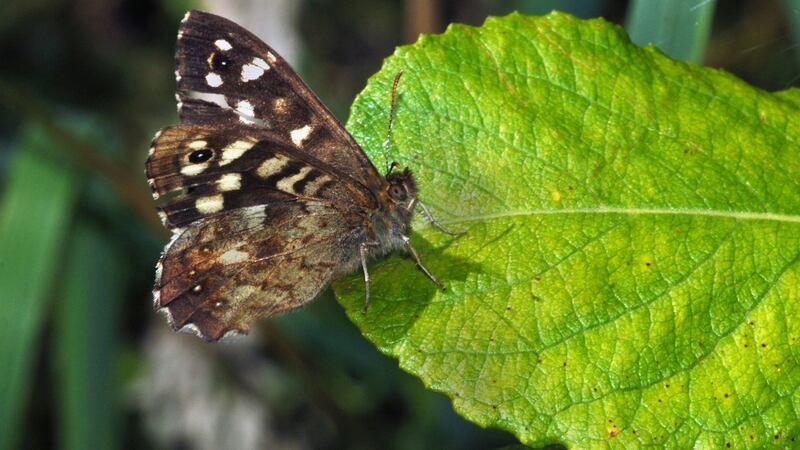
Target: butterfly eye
(220,62)
(199,156)
(397,193)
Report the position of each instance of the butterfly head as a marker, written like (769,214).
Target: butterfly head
(401,190)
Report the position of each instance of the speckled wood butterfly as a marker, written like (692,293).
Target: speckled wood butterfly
(269,198)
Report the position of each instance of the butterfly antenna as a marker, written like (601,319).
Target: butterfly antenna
(388,142)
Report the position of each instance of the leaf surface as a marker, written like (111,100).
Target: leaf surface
(630,270)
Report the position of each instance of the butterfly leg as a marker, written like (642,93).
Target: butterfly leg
(413,252)
(363,252)
(427,213)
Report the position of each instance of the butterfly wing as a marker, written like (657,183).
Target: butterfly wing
(259,228)
(267,195)
(206,171)
(227,76)
(218,276)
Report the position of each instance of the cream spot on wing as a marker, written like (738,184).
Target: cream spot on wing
(232,336)
(285,184)
(210,204)
(234,151)
(246,112)
(244,292)
(313,186)
(186,16)
(223,45)
(271,58)
(153,145)
(300,134)
(177,75)
(280,105)
(197,145)
(213,80)
(191,328)
(261,63)
(217,99)
(197,288)
(234,256)
(254,69)
(271,166)
(230,182)
(251,72)
(194,169)
(245,107)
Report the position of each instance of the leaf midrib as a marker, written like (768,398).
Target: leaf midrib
(735,215)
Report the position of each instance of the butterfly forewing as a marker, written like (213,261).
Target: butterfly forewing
(227,76)
(223,169)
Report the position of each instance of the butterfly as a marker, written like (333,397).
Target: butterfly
(267,195)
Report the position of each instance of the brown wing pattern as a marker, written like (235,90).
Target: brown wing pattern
(227,76)
(221,169)
(219,276)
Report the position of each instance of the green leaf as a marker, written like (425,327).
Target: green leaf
(680,28)
(629,274)
(35,214)
(85,343)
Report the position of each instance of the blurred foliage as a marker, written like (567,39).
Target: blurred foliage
(680,28)
(83,86)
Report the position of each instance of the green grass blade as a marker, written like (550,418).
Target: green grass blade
(85,344)
(792,9)
(680,28)
(34,217)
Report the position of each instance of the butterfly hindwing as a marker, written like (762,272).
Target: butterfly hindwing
(220,275)
(216,170)
(227,77)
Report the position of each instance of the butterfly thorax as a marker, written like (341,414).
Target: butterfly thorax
(393,220)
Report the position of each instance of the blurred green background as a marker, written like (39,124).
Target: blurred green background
(87,364)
